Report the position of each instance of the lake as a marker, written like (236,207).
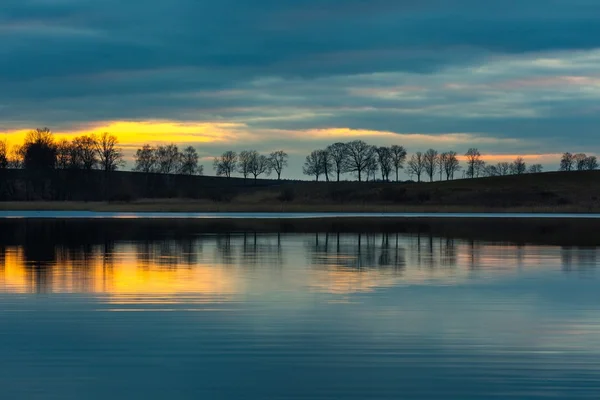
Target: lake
(191,309)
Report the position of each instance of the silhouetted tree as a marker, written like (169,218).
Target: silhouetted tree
(503,168)
(259,165)
(386,163)
(39,150)
(491,170)
(518,167)
(473,162)
(278,160)
(3,154)
(430,159)
(244,161)
(580,161)
(372,166)
(109,155)
(566,162)
(63,154)
(479,168)
(338,153)
(450,164)
(326,163)
(15,157)
(535,168)
(398,154)
(226,164)
(146,159)
(360,154)
(416,165)
(313,165)
(167,158)
(85,146)
(591,163)
(188,162)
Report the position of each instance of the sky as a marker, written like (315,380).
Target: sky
(508,77)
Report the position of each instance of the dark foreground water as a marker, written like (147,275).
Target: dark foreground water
(97,311)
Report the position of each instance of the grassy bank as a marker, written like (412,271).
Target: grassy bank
(545,192)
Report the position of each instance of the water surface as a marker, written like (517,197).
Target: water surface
(94,311)
(281,215)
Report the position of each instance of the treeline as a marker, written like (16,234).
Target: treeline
(578,162)
(40,151)
(250,163)
(372,163)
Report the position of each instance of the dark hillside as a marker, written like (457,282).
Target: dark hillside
(551,191)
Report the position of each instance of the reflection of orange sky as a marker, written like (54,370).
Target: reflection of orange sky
(123,278)
(126,278)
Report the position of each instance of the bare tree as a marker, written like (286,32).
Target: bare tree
(591,163)
(491,170)
(566,162)
(372,166)
(326,163)
(450,164)
(535,168)
(580,161)
(279,160)
(63,154)
(85,146)
(416,165)
(168,158)
(259,165)
(15,157)
(430,158)
(385,160)
(244,161)
(313,165)
(360,154)
(3,154)
(338,153)
(479,168)
(110,156)
(473,157)
(398,158)
(503,168)
(226,164)
(146,159)
(518,167)
(188,162)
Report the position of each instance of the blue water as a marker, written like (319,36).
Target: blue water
(296,316)
(280,215)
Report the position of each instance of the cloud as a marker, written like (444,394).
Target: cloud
(512,77)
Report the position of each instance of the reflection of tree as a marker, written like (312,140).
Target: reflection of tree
(579,259)
(55,255)
(355,251)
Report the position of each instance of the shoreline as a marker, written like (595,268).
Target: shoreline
(179,206)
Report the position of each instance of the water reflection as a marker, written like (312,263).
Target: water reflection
(245,313)
(230,264)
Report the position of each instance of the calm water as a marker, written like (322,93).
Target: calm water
(97,311)
(277,215)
